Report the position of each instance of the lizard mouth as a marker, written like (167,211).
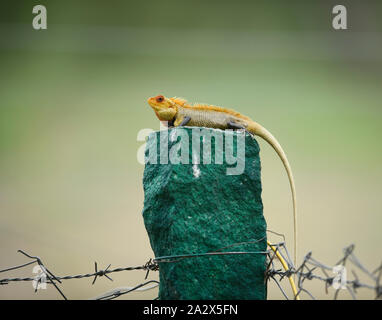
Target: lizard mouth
(152,104)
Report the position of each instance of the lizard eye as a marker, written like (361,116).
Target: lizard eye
(159,98)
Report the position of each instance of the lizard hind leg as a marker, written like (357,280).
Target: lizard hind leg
(237,126)
(234,125)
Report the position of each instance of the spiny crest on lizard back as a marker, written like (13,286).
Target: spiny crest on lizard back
(203,106)
(179,101)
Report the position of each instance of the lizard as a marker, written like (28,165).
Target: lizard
(177,112)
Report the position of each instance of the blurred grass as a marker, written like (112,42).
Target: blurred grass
(73,98)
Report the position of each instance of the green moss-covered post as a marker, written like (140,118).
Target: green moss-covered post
(192,209)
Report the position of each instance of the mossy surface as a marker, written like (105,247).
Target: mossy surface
(193,209)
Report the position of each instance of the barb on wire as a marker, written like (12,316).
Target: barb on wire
(121,291)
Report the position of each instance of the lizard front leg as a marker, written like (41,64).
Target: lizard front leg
(182,121)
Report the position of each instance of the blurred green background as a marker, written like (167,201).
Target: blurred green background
(73,98)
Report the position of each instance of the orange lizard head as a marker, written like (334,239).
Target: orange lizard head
(164,108)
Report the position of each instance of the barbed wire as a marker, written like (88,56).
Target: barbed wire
(48,277)
(310,269)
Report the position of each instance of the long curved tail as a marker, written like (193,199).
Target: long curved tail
(260,131)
